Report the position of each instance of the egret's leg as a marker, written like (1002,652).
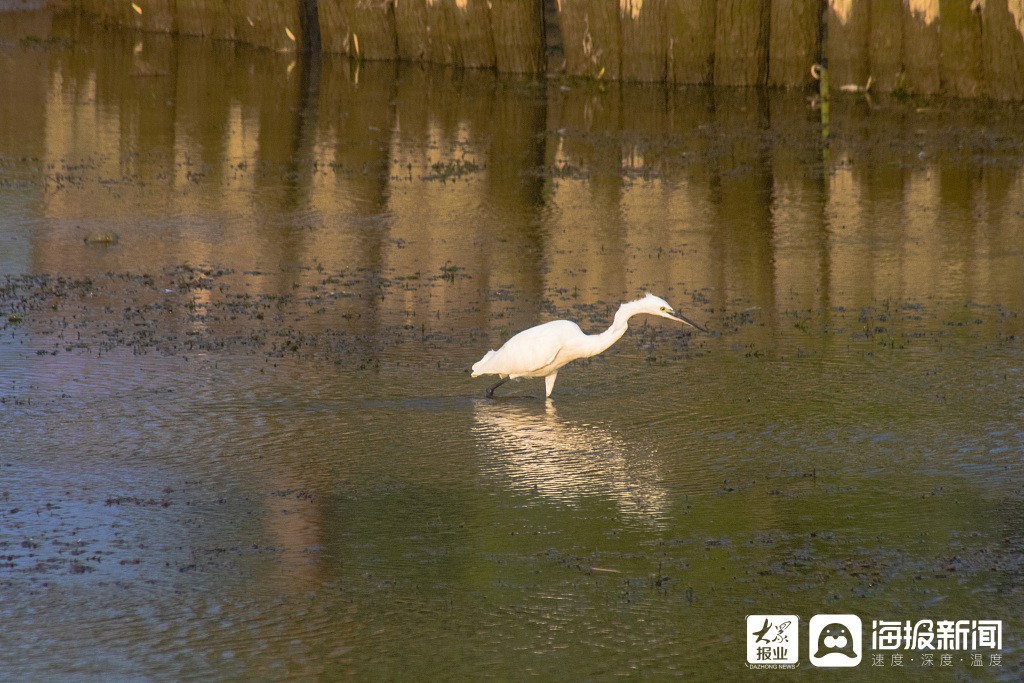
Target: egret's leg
(549,383)
(490,391)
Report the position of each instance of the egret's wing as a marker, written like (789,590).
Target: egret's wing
(529,352)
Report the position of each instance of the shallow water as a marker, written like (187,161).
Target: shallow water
(240,298)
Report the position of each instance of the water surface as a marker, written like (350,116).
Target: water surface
(241,294)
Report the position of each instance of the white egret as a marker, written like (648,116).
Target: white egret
(540,351)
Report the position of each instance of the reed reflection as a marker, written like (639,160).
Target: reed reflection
(449,200)
(531,450)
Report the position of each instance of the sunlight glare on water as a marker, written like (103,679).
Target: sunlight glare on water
(238,310)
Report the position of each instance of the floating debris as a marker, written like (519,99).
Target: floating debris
(109,238)
(856,88)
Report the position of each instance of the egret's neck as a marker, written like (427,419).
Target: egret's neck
(596,343)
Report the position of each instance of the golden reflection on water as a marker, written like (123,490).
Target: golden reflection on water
(463,185)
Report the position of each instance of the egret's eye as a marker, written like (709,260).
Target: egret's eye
(663,308)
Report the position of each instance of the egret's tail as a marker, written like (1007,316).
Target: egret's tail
(480,367)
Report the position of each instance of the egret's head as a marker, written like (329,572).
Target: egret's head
(655,305)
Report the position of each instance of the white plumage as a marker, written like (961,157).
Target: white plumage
(540,351)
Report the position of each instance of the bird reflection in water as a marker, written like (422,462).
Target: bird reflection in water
(529,448)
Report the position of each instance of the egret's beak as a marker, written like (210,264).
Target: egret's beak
(672,315)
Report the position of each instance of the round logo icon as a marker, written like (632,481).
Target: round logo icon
(835,640)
